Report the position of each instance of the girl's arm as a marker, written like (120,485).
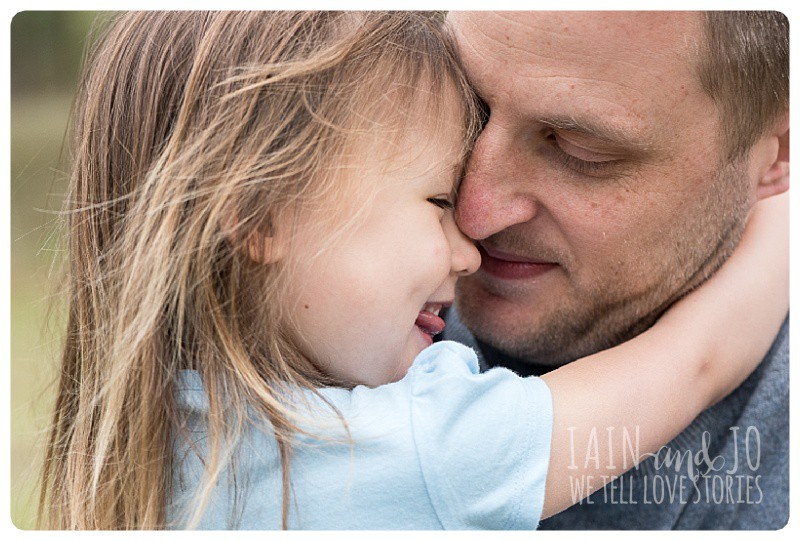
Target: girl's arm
(699,351)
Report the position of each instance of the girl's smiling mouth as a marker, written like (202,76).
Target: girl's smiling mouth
(428,320)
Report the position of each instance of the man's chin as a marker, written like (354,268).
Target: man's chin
(550,347)
(542,333)
(507,329)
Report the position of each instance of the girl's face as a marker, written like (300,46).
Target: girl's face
(366,302)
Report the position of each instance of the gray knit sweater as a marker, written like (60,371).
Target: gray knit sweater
(728,470)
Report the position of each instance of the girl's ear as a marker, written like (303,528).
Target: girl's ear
(263,248)
(776,178)
(260,247)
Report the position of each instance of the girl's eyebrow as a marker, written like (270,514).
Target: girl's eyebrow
(455,174)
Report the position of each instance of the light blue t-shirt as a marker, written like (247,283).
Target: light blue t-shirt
(446,447)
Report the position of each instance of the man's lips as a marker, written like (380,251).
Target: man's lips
(511,267)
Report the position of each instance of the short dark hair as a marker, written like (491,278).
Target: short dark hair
(745,68)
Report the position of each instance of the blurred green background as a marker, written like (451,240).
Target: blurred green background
(46,54)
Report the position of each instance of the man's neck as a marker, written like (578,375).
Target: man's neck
(494,357)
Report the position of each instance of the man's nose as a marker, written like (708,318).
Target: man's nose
(493,193)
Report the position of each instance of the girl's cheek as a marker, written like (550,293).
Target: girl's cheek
(441,253)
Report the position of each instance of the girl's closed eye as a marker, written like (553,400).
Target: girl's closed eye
(443,202)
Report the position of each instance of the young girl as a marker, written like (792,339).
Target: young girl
(261,236)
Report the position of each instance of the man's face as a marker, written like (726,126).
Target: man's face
(595,190)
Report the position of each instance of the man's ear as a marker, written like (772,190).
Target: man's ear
(775,179)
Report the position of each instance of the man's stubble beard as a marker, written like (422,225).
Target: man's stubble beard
(589,322)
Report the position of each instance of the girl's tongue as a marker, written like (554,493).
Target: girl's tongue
(430,323)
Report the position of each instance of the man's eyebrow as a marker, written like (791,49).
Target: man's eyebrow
(600,130)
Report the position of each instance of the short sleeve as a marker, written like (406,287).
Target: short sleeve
(483,440)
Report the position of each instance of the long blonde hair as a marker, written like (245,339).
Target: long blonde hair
(191,130)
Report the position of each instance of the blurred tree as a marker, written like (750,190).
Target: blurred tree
(47,49)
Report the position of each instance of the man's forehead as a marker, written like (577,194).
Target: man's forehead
(659,27)
(590,37)
(619,67)
(631,58)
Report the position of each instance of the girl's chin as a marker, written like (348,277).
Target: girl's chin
(404,365)
(419,341)
(425,339)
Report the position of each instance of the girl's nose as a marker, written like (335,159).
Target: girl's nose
(465,258)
